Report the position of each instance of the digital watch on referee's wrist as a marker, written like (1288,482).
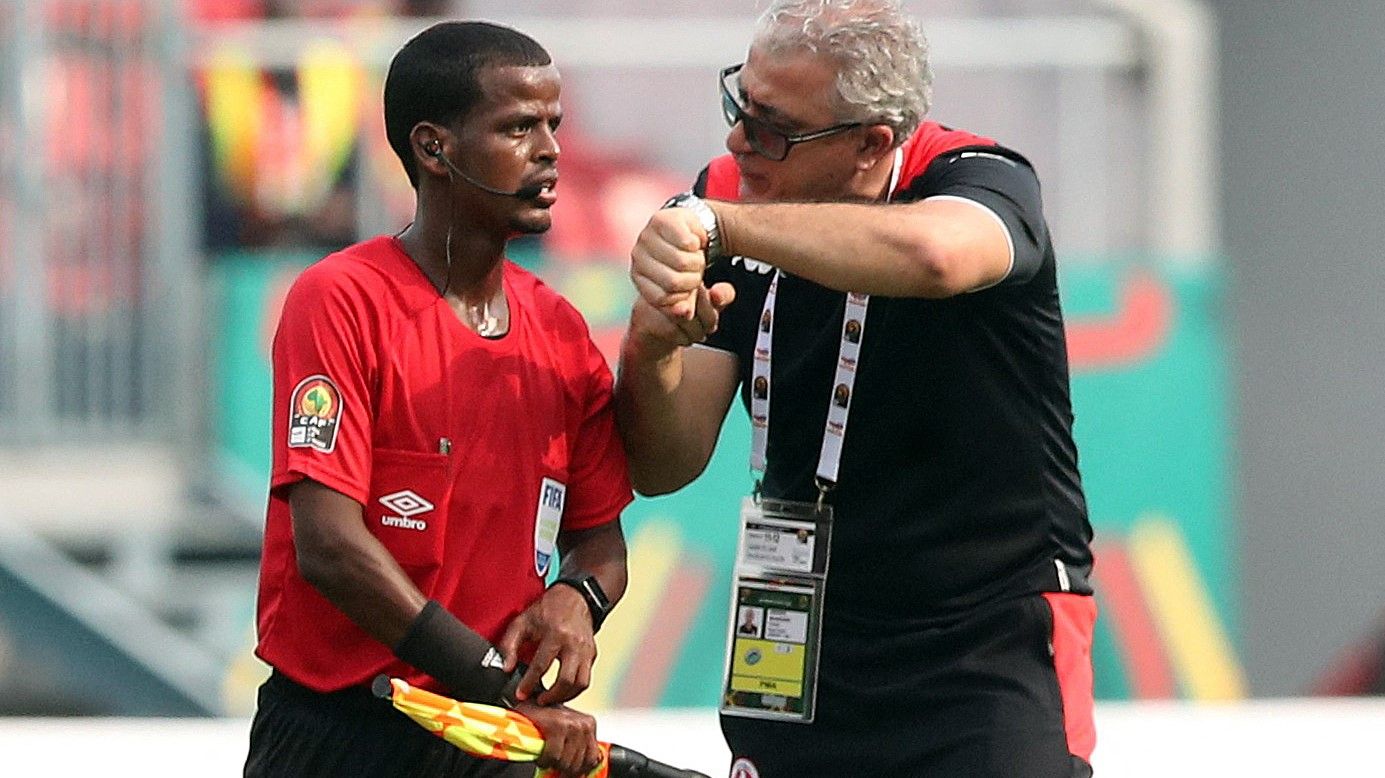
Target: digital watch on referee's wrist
(708,217)
(590,589)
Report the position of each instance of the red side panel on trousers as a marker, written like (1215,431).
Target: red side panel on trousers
(1074,618)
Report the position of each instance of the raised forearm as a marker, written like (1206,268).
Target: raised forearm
(933,249)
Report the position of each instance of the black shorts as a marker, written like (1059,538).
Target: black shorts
(1004,692)
(300,733)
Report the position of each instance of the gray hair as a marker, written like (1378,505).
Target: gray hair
(883,75)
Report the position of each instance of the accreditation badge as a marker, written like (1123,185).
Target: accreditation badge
(775,633)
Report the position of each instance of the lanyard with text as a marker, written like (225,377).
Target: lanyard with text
(785,546)
(853,332)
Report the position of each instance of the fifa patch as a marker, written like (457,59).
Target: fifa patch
(744,768)
(314,414)
(547,521)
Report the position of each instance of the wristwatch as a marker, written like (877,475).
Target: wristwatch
(590,589)
(707,216)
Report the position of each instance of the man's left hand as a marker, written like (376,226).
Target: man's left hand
(667,262)
(560,623)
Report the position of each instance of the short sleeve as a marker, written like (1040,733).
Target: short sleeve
(599,487)
(699,186)
(323,405)
(1004,184)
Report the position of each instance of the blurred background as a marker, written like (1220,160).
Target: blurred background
(1210,174)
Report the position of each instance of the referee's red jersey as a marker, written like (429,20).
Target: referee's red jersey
(465,452)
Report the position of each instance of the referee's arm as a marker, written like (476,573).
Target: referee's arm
(348,565)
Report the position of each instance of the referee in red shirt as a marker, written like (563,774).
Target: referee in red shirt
(442,430)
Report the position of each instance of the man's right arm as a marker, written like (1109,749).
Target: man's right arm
(348,565)
(354,571)
(671,400)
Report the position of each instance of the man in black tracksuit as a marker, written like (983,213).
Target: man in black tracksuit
(895,283)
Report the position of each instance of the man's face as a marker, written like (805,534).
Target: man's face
(507,142)
(791,91)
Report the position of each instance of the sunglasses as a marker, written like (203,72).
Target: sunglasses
(765,139)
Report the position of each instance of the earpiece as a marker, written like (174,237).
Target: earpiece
(433,148)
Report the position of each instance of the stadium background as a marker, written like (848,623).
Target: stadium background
(165,169)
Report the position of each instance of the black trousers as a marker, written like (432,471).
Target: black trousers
(300,733)
(980,697)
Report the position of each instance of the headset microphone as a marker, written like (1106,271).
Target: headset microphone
(523,193)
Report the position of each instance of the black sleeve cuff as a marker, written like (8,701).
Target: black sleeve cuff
(440,645)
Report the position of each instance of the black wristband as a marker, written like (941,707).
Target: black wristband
(597,602)
(440,645)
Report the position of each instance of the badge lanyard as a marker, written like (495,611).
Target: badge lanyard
(839,404)
(775,622)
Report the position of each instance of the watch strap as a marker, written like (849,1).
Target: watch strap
(597,602)
(707,217)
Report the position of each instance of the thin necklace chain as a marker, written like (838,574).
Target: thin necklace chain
(481,320)
(479,317)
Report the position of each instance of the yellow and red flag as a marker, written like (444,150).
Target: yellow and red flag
(481,730)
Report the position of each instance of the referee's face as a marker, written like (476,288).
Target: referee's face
(790,91)
(508,142)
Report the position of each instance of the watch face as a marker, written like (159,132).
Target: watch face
(706,215)
(678,200)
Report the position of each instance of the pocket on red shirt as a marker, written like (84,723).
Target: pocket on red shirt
(407,511)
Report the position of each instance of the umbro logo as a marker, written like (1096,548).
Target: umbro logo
(406,504)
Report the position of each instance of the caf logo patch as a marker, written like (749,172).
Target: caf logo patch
(314,414)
